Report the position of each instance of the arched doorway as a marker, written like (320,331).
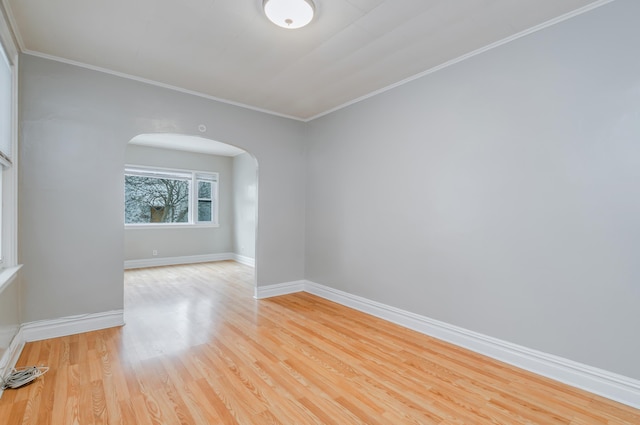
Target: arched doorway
(188,199)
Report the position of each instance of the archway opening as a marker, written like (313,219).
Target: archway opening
(188,199)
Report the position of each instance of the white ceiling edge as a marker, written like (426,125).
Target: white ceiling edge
(466,56)
(182,142)
(498,43)
(156,83)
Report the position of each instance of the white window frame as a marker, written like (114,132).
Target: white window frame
(180,174)
(209,178)
(9,169)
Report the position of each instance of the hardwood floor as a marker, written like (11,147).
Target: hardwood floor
(198,349)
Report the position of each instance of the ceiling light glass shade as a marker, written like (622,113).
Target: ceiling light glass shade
(289,14)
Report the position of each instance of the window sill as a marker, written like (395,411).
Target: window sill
(169,226)
(7,275)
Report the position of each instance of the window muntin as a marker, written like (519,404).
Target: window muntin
(157,197)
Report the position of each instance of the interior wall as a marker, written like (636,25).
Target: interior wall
(75,126)
(140,243)
(245,200)
(9,318)
(500,194)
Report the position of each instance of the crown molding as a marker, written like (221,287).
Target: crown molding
(466,56)
(454,61)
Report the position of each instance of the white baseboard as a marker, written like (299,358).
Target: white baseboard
(247,261)
(10,357)
(172,261)
(45,329)
(598,381)
(279,289)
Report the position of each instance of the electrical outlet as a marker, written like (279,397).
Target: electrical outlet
(154,252)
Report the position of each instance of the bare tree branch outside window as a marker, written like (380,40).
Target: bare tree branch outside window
(156,200)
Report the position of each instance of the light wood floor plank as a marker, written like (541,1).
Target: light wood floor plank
(198,349)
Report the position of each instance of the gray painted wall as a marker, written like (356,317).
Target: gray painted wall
(9,317)
(501,194)
(75,125)
(140,243)
(245,199)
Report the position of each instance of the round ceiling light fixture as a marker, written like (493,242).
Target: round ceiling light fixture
(290,14)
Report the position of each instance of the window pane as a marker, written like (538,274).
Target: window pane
(5,104)
(204,210)
(155,200)
(204,190)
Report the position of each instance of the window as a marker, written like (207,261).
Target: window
(164,197)
(205,197)
(8,173)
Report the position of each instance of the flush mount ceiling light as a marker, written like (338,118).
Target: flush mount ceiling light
(290,14)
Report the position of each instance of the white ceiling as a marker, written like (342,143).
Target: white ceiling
(228,50)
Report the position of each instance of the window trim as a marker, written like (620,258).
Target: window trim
(210,178)
(9,170)
(179,174)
